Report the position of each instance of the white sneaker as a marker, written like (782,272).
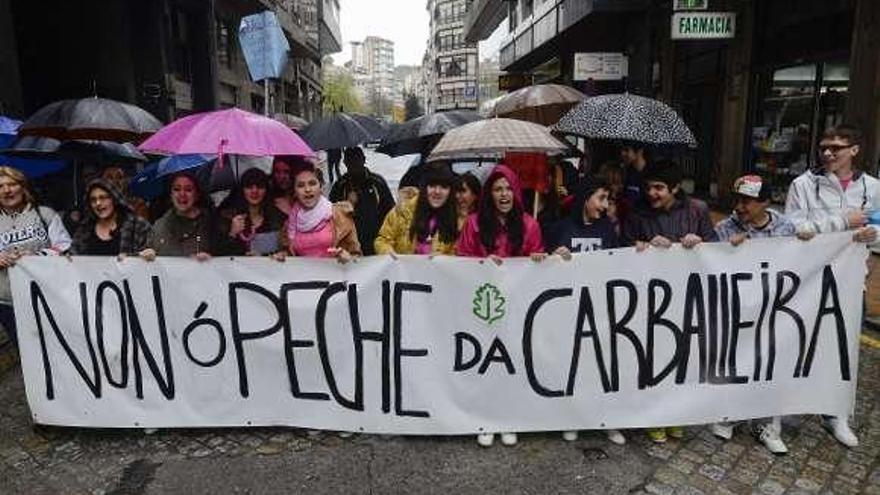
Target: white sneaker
(486,439)
(508,439)
(769,436)
(839,428)
(569,436)
(150,431)
(616,437)
(722,430)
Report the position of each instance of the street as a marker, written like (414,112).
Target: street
(43,460)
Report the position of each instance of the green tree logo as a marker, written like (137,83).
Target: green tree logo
(489,303)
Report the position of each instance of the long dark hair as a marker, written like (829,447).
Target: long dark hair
(471,182)
(487,220)
(446,215)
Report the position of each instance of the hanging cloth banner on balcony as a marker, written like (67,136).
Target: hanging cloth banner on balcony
(446,345)
(264,45)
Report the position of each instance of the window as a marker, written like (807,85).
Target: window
(799,102)
(226,43)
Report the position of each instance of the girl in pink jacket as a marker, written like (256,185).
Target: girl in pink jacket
(500,229)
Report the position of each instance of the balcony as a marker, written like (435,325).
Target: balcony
(483,18)
(329,33)
(551,19)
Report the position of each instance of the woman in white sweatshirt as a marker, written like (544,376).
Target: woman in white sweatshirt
(25,229)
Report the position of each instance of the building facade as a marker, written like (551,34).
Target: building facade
(757,98)
(170,57)
(372,68)
(455,73)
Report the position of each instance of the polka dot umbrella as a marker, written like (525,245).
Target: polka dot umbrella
(626,117)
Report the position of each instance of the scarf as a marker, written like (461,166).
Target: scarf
(302,220)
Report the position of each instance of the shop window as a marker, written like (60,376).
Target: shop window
(797,104)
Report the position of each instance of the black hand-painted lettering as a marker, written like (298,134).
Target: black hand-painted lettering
(39,300)
(239,337)
(779,306)
(737,324)
(399,351)
(198,322)
(290,343)
(585,311)
(460,363)
(694,323)
(99,333)
(655,319)
(139,344)
(528,330)
(323,351)
(765,303)
(618,326)
(829,291)
(497,353)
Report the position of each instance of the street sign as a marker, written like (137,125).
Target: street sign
(600,66)
(703,25)
(691,5)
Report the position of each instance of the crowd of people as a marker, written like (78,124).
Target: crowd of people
(639,202)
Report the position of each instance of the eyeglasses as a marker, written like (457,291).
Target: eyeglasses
(834,148)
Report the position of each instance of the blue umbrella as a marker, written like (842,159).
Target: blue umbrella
(146,184)
(33,167)
(9,126)
(179,163)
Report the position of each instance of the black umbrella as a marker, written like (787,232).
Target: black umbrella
(419,135)
(80,150)
(91,118)
(341,130)
(626,117)
(378,130)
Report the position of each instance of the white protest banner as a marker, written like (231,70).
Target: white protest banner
(445,345)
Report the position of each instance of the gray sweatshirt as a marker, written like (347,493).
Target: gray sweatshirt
(30,232)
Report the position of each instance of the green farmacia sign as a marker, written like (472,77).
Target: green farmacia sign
(703,25)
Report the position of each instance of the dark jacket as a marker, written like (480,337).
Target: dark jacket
(576,235)
(175,235)
(273,222)
(687,216)
(133,231)
(580,237)
(372,201)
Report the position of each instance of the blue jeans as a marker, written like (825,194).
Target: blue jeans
(7,319)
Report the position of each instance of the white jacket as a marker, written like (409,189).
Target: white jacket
(817,201)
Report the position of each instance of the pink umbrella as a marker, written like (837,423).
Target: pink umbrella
(231,131)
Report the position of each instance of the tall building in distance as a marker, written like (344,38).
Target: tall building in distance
(372,67)
(454,76)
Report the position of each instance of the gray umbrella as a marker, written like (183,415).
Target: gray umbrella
(421,134)
(104,152)
(342,130)
(626,117)
(91,118)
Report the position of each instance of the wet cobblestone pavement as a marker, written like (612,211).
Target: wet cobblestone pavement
(36,459)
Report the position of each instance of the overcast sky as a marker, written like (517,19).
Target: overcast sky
(405,22)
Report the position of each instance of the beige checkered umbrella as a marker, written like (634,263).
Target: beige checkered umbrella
(490,139)
(542,104)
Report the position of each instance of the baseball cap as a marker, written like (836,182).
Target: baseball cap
(751,186)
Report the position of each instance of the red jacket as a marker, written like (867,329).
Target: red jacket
(469,243)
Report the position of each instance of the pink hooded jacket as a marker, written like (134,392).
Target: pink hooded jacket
(469,243)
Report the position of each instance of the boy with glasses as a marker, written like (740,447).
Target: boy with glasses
(836,197)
